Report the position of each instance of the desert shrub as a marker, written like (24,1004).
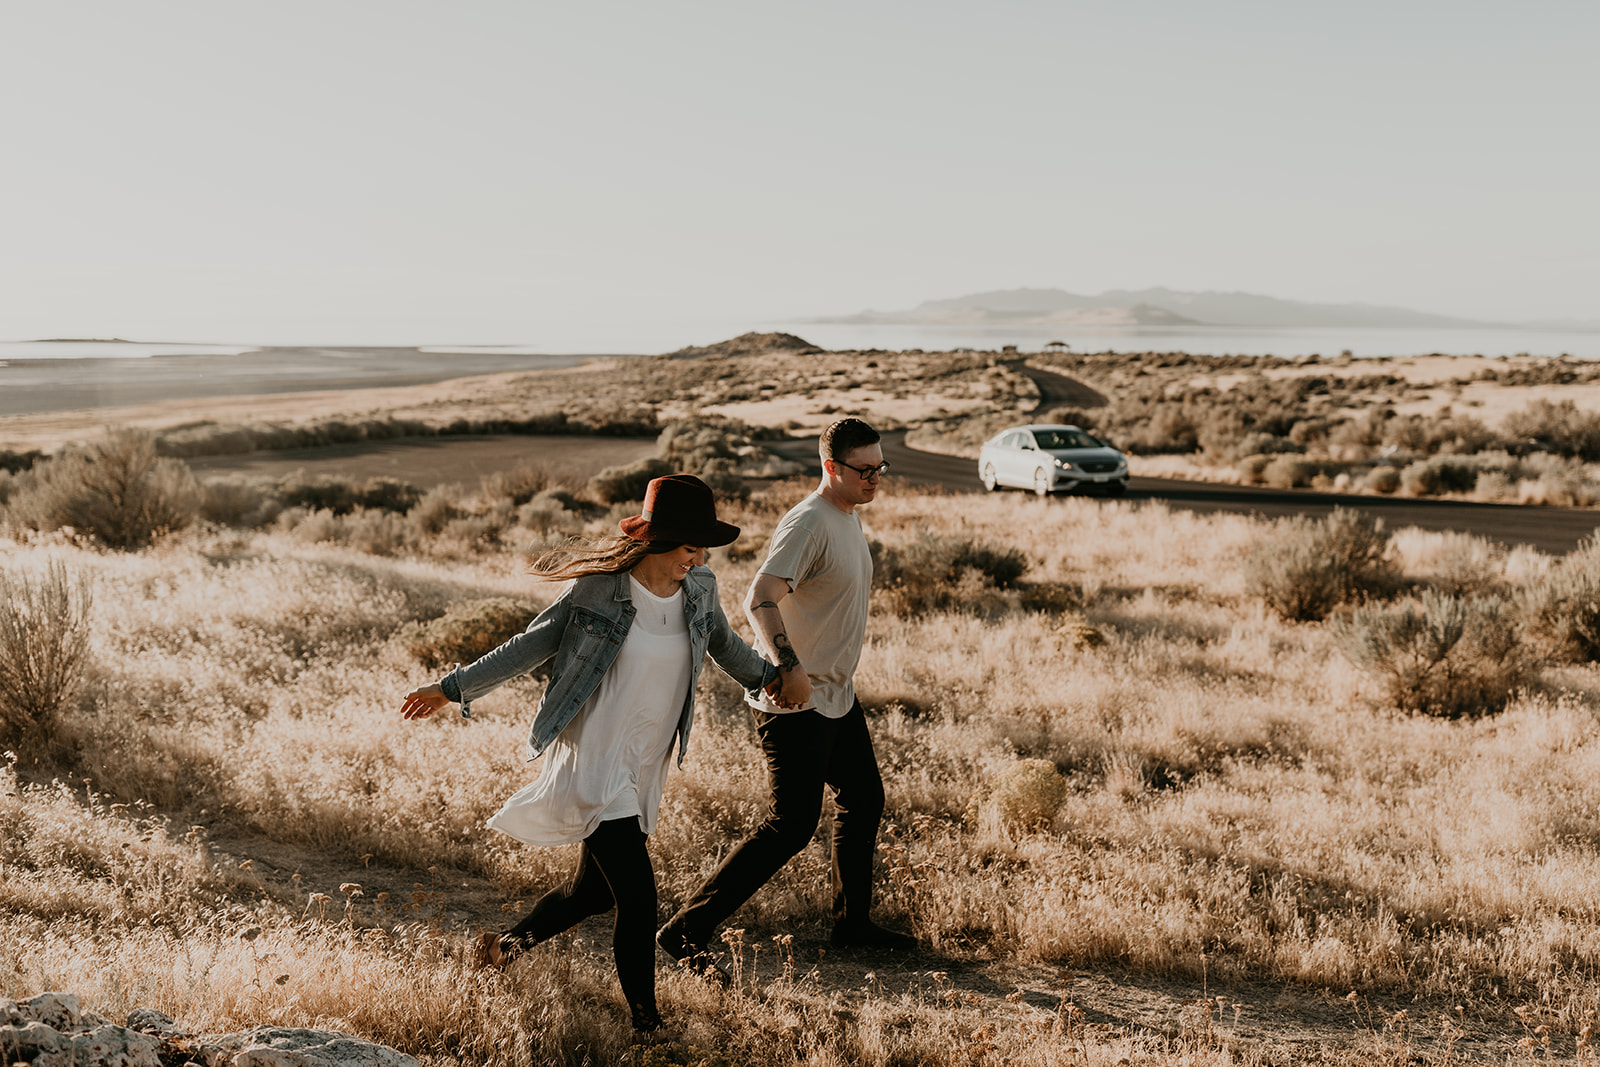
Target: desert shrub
(116,490)
(388,494)
(247,504)
(727,485)
(1563,487)
(1266,444)
(519,485)
(1050,598)
(1252,466)
(1468,566)
(477,530)
(436,510)
(208,438)
(1561,611)
(1494,485)
(1558,426)
(8,482)
(1289,471)
(1439,474)
(1306,567)
(17,462)
(1383,479)
(543,515)
(375,531)
(616,485)
(342,496)
(1443,655)
(1442,432)
(945,573)
(467,631)
(1024,796)
(325,493)
(44,637)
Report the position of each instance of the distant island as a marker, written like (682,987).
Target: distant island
(1146,307)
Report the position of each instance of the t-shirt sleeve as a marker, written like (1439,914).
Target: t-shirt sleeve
(793,551)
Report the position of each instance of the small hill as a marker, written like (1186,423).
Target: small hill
(749,344)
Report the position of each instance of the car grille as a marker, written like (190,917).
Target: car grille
(1098,468)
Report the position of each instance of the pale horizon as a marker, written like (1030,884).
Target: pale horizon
(504,173)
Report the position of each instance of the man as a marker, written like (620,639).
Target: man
(808,605)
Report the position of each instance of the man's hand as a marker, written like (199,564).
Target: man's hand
(421,703)
(794,689)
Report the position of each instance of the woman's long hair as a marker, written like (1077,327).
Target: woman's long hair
(609,555)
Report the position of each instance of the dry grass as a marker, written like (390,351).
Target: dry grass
(1156,776)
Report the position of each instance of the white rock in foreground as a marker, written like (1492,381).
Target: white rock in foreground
(284,1046)
(52,1030)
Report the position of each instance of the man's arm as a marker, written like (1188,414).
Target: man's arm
(761,607)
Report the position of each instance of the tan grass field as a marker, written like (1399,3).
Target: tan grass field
(1235,854)
(1134,816)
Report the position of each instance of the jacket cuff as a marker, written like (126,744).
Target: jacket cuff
(451,687)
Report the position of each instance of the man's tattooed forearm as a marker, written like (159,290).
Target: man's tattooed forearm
(787,660)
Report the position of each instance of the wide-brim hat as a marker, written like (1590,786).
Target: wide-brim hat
(679,507)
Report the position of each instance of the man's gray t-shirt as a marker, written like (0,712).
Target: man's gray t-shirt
(822,553)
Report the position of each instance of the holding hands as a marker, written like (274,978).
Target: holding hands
(792,689)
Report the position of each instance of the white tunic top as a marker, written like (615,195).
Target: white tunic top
(611,760)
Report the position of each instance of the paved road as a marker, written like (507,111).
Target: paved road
(1057,390)
(1549,529)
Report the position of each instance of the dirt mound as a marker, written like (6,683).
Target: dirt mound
(749,344)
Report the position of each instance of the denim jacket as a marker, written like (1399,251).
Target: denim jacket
(584,630)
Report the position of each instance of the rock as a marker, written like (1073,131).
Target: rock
(282,1046)
(109,1045)
(30,1042)
(52,1030)
(59,1011)
(159,1023)
(99,1046)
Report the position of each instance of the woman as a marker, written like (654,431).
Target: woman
(628,636)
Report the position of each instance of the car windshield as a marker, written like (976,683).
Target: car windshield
(1052,439)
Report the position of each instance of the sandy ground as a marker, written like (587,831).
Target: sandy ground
(31,386)
(47,430)
(429,461)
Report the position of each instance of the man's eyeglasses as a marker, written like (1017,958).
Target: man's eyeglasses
(867,473)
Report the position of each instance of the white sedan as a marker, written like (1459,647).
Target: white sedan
(1049,458)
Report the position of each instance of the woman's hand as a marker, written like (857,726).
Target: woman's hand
(421,703)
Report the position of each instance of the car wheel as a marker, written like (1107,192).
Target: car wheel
(990,482)
(1041,482)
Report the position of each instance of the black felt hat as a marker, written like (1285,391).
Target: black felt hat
(679,507)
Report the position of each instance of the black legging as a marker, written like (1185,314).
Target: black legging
(613,871)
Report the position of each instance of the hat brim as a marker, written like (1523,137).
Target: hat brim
(716,535)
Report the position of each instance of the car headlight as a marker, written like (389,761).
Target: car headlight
(1064,465)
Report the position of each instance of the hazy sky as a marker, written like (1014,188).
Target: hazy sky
(485,171)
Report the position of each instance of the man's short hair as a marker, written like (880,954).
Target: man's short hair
(844,436)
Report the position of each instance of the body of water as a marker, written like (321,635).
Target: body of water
(647,338)
(112,350)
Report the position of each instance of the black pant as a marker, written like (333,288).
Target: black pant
(613,871)
(804,752)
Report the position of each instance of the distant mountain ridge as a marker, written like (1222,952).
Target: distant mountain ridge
(1146,307)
